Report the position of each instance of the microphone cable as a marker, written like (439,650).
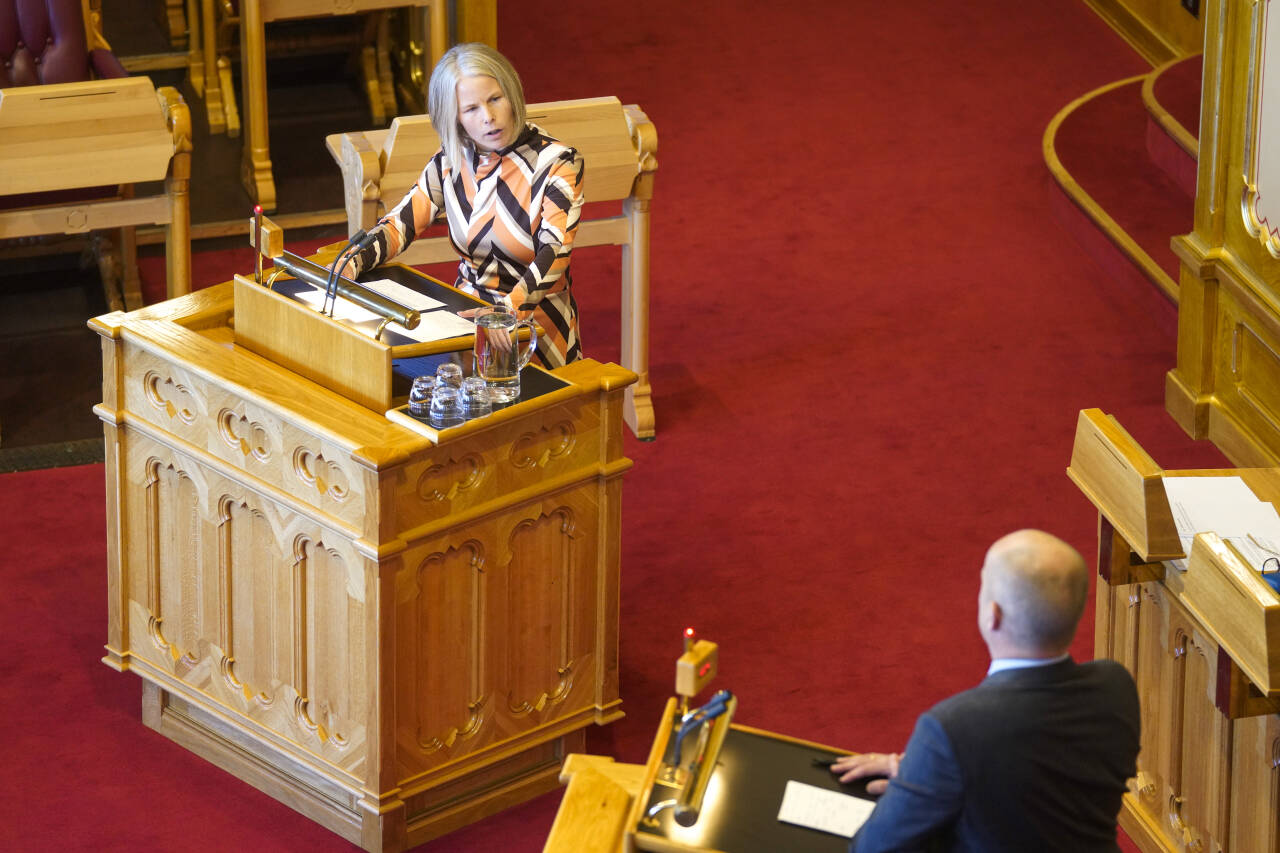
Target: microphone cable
(361,240)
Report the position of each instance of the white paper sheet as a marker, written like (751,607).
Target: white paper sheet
(1225,506)
(436,326)
(824,810)
(406,296)
(342,309)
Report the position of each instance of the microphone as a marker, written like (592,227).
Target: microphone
(361,240)
(718,705)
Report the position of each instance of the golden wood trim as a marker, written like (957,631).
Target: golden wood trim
(1185,139)
(1267,233)
(1141,36)
(1146,264)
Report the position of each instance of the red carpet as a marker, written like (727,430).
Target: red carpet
(870,343)
(1178,90)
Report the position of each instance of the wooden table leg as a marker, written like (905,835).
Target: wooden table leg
(255,166)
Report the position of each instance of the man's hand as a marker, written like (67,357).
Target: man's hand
(862,765)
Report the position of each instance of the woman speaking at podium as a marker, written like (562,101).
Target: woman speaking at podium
(511,196)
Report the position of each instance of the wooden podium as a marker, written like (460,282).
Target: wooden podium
(395,631)
(1203,645)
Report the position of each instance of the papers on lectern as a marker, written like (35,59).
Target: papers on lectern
(1225,506)
(342,309)
(406,296)
(435,325)
(824,810)
(438,325)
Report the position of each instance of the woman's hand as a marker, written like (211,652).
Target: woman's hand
(499,339)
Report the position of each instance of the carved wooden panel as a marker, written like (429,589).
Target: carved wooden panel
(248,437)
(443,686)
(1254,368)
(1255,789)
(495,630)
(544,595)
(254,637)
(244,602)
(165,395)
(1201,741)
(332,669)
(321,474)
(1155,670)
(172,599)
(494,464)
(1262,127)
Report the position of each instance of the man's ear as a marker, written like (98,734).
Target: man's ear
(992,616)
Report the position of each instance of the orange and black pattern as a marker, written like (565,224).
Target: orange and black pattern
(512,218)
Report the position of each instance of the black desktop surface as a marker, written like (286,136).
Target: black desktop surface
(752,774)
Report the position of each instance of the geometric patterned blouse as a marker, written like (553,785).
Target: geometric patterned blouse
(512,218)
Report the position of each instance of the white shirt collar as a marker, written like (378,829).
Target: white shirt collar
(1001,664)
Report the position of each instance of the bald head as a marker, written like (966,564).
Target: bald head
(1038,584)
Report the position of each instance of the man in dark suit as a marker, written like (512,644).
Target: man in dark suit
(1035,758)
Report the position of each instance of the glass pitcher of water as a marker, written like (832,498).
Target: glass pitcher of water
(498,358)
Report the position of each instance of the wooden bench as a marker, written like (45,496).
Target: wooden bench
(72,137)
(617,142)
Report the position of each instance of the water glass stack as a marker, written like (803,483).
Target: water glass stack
(447,400)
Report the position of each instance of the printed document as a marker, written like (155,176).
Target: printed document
(824,810)
(1225,506)
(433,325)
(406,296)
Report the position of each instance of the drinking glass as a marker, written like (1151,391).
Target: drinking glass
(446,407)
(449,374)
(475,398)
(420,396)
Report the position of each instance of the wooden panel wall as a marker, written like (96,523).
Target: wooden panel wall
(1226,386)
(1206,781)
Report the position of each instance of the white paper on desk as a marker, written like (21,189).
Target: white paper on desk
(432,325)
(406,296)
(438,325)
(342,309)
(1225,506)
(824,810)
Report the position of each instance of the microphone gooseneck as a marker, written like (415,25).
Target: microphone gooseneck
(361,240)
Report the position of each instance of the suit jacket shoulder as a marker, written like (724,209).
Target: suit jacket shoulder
(1044,755)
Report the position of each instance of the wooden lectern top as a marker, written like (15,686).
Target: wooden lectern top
(89,134)
(1124,483)
(1237,608)
(1226,595)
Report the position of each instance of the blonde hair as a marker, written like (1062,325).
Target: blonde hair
(468,60)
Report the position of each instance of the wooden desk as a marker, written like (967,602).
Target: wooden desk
(391,635)
(603,810)
(1200,648)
